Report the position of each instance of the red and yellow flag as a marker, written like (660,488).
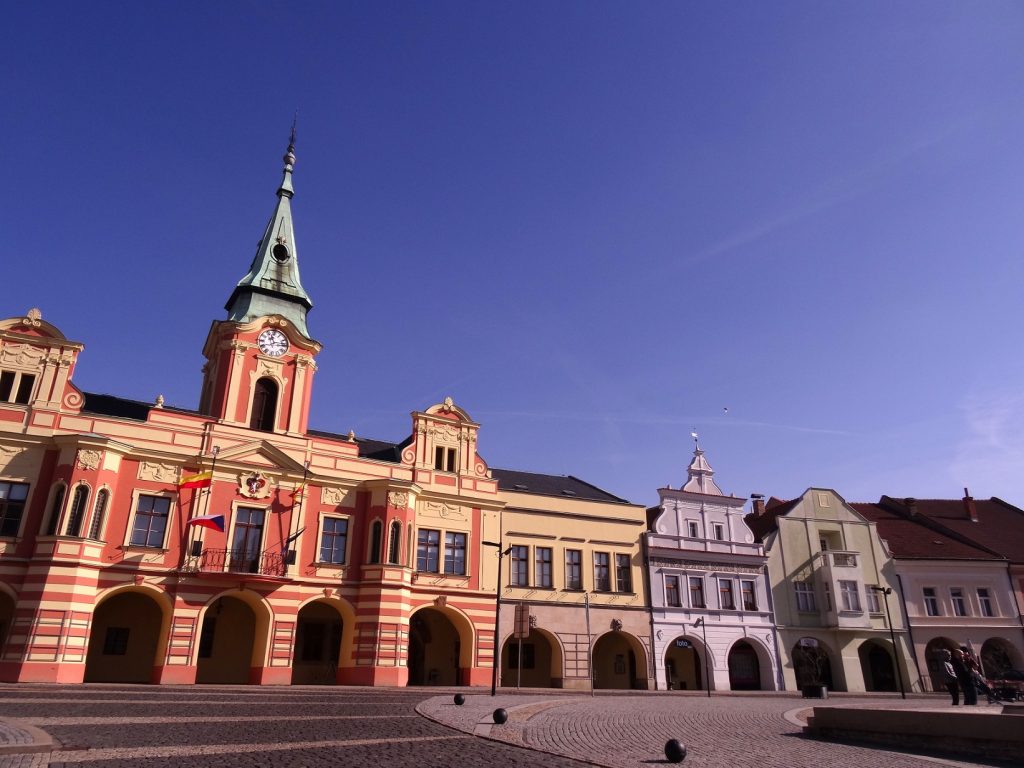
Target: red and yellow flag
(201,480)
(299,491)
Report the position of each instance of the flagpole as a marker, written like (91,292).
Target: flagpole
(209,492)
(296,509)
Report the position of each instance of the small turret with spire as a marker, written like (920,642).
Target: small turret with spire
(272,285)
(701,475)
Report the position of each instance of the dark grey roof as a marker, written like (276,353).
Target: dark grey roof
(381,450)
(565,486)
(119,407)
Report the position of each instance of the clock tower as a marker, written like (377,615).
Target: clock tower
(260,361)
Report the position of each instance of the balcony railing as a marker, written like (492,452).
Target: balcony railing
(237,561)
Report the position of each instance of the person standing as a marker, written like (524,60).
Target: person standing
(950,676)
(963,677)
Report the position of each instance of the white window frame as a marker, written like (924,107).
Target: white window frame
(958,602)
(692,529)
(679,594)
(849,593)
(718,530)
(806,600)
(730,591)
(137,493)
(703,591)
(987,603)
(931,602)
(320,538)
(873,601)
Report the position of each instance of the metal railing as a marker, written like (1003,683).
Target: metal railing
(237,561)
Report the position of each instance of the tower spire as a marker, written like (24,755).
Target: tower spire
(272,285)
(701,475)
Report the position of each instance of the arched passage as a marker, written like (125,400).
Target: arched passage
(744,667)
(233,639)
(932,655)
(812,663)
(6,616)
(684,665)
(541,661)
(125,638)
(317,652)
(619,661)
(440,647)
(999,655)
(876,664)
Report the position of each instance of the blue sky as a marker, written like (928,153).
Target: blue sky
(594,225)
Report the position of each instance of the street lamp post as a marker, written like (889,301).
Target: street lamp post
(497,615)
(704,631)
(886,591)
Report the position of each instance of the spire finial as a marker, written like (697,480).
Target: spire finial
(289,156)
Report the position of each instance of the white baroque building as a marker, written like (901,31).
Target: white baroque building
(711,615)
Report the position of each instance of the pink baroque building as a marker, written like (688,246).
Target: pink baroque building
(316,557)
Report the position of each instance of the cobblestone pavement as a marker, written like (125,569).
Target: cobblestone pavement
(97,726)
(760,731)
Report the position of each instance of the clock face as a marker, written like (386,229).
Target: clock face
(272,342)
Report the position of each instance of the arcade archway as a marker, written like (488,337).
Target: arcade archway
(538,665)
(619,661)
(436,649)
(6,616)
(124,639)
(932,655)
(877,667)
(317,652)
(745,667)
(232,640)
(684,665)
(812,663)
(999,655)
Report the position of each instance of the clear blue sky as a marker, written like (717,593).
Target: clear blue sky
(594,225)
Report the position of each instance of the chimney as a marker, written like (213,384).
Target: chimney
(911,504)
(969,507)
(758,506)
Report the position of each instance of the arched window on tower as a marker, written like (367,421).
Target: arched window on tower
(376,533)
(55,510)
(395,543)
(97,514)
(264,405)
(78,500)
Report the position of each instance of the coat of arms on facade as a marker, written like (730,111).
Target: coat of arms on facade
(254,485)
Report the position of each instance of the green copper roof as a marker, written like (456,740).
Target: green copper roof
(272,286)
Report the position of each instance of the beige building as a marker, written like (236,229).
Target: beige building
(826,565)
(573,563)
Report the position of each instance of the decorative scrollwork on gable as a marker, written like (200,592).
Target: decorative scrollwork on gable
(21,356)
(157,472)
(88,459)
(445,511)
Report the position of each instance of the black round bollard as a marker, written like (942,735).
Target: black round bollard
(460,699)
(500,716)
(675,751)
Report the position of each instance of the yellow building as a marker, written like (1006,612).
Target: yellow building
(573,572)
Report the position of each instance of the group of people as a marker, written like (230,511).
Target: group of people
(963,673)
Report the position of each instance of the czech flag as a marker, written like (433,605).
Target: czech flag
(213,522)
(202,480)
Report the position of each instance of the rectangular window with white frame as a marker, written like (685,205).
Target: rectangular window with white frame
(719,531)
(805,600)
(931,601)
(333,540)
(623,574)
(149,528)
(428,550)
(696,584)
(12,507)
(874,603)
(519,570)
(16,387)
(455,553)
(692,529)
(602,572)
(725,596)
(573,569)
(672,597)
(542,566)
(849,595)
(749,594)
(958,601)
(985,602)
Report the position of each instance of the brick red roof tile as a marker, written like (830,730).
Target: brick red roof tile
(911,538)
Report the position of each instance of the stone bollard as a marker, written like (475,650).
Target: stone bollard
(675,751)
(500,716)
(460,699)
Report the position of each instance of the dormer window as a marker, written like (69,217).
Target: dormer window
(444,459)
(16,387)
(264,405)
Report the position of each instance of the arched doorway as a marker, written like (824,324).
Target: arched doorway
(317,645)
(932,655)
(684,666)
(227,642)
(6,618)
(744,667)
(812,664)
(435,648)
(876,664)
(124,639)
(999,655)
(539,658)
(618,661)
